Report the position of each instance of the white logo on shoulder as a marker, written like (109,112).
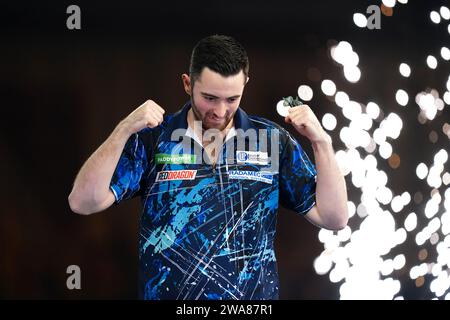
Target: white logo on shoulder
(252,157)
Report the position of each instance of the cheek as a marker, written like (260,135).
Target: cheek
(233,107)
(201,105)
(205,107)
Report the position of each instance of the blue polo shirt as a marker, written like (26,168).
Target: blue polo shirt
(207,231)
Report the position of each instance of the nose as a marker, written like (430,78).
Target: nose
(220,110)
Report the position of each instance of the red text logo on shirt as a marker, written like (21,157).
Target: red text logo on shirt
(176,175)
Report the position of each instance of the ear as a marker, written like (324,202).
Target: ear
(248,79)
(186,83)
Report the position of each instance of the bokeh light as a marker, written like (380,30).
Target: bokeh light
(405,70)
(361,259)
(305,93)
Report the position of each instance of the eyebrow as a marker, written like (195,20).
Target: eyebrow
(213,96)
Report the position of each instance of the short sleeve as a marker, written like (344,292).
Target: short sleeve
(297,178)
(126,180)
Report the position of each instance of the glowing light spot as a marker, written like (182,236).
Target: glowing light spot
(325,235)
(328,87)
(431,62)
(446,178)
(282,109)
(351,209)
(411,222)
(406,198)
(445,13)
(422,171)
(329,121)
(389,3)
(352,73)
(447,97)
(343,54)
(399,262)
(385,150)
(405,70)
(431,208)
(383,195)
(373,110)
(344,234)
(400,236)
(441,157)
(322,264)
(387,268)
(305,93)
(435,17)
(341,98)
(431,112)
(434,238)
(445,53)
(402,97)
(360,20)
(351,110)
(439,104)
(396,204)
(392,125)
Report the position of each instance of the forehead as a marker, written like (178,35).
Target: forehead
(214,83)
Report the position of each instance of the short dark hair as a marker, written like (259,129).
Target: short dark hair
(222,54)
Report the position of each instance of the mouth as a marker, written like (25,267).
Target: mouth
(216,120)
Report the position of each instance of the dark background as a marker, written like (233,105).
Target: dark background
(63,91)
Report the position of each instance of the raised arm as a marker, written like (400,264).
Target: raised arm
(91,192)
(330,211)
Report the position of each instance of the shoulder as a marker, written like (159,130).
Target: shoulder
(147,136)
(263,123)
(288,144)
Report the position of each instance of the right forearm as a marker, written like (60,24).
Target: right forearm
(90,192)
(91,186)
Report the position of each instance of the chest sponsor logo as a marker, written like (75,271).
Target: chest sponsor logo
(176,175)
(252,157)
(262,176)
(163,158)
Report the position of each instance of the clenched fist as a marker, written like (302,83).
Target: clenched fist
(306,123)
(149,114)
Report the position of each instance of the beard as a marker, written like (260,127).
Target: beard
(208,119)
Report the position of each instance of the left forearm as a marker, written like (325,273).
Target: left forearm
(331,191)
(330,211)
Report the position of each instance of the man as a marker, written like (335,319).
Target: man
(210,201)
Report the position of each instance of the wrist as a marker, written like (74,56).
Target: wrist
(324,142)
(122,131)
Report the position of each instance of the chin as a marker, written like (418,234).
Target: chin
(218,126)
